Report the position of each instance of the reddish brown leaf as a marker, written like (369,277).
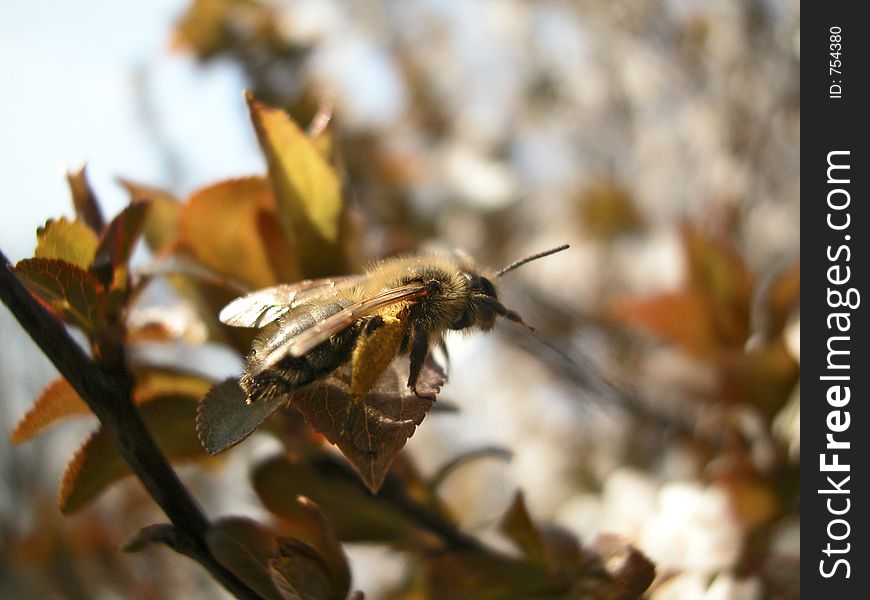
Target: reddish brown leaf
(763,377)
(220,226)
(752,495)
(299,573)
(681,318)
(631,573)
(282,256)
(97,464)
(518,526)
(84,200)
(246,548)
(69,241)
(116,245)
(717,271)
(484,576)
(57,401)
(783,296)
(355,514)
(161,224)
(371,435)
(311,527)
(69,291)
(307,190)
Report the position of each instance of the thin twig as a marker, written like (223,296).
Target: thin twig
(107,391)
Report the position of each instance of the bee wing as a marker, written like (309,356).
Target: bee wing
(299,343)
(261,307)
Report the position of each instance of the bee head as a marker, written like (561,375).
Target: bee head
(483,306)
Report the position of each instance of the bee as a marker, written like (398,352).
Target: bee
(400,306)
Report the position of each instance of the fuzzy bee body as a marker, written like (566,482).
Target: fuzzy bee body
(295,371)
(399,306)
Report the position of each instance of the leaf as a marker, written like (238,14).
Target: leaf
(116,245)
(307,190)
(210,26)
(380,426)
(56,401)
(518,526)
(718,272)
(608,210)
(68,290)
(680,318)
(763,377)
(355,514)
(282,257)
(312,528)
(782,297)
(300,574)
(161,533)
(155,382)
(97,464)
(85,201)
(71,241)
(161,223)
(481,575)
(245,548)
(224,419)
(221,226)
(630,572)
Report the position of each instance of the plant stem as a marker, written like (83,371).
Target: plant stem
(107,391)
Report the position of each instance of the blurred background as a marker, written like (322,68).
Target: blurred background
(660,397)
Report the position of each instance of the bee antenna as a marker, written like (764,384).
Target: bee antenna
(529,259)
(512,316)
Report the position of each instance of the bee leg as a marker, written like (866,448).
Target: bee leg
(419,350)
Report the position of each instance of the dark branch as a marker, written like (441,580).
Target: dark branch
(107,392)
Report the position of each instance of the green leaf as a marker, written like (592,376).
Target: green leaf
(97,464)
(57,401)
(70,241)
(245,548)
(70,291)
(307,190)
(224,419)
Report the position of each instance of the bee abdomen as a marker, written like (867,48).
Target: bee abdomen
(292,372)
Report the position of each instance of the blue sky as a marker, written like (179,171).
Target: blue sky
(74,77)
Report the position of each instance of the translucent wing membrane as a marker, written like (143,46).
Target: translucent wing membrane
(298,343)
(265,306)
